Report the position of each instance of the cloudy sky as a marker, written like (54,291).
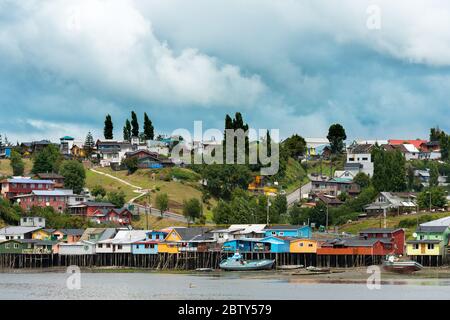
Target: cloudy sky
(294,65)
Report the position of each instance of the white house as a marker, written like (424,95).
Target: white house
(313,143)
(78,248)
(32,222)
(122,242)
(359,159)
(113,151)
(17,233)
(239,231)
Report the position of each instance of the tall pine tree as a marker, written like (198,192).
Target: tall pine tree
(108,130)
(149,131)
(134,125)
(89,144)
(127,131)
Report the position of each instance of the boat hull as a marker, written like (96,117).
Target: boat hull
(402,267)
(248,266)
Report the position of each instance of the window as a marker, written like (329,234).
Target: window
(310,245)
(301,244)
(100,245)
(7,246)
(281,233)
(119,247)
(430,246)
(416,246)
(108,245)
(16,246)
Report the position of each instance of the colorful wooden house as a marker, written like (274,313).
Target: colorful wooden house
(289,231)
(303,246)
(78,248)
(430,241)
(150,244)
(395,235)
(28,246)
(122,242)
(276,244)
(68,235)
(43,234)
(179,239)
(121,216)
(356,246)
(244,245)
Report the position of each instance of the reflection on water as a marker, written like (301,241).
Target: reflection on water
(266,285)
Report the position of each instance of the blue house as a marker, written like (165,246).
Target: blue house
(5,152)
(289,231)
(150,244)
(276,245)
(242,245)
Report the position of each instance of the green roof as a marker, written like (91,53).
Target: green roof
(67,138)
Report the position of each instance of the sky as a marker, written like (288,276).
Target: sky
(380,68)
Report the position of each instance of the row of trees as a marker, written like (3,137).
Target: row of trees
(131,128)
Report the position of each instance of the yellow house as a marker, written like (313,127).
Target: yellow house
(424,248)
(303,246)
(170,242)
(43,234)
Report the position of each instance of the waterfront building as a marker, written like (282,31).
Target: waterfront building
(17,232)
(78,248)
(151,242)
(395,235)
(28,246)
(303,246)
(180,239)
(122,241)
(289,231)
(430,240)
(239,231)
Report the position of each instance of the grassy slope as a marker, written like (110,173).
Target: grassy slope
(156,223)
(93,179)
(393,221)
(177,191)
(6,170)
(314,167)
(294,174)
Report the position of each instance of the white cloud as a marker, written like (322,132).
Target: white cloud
(110,47)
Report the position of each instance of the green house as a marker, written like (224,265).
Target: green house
(27,246)
(12,246)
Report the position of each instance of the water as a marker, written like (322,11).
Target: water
(52,285)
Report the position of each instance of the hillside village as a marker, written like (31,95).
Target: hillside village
(331,198)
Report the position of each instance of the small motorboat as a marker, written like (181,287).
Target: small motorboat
(290,267)
(394,264)
(204,270)
(316,269)
(237,263)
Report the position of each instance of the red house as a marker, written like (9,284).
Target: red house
(44,198)
(89,208)
(355,246)
(395,236)
(11,188)
(117,216)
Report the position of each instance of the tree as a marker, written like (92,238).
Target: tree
(362,179)
(149,131)
(17,163)
(162,203)
(117,198)
(74,175)
(98,191)
(132,164)
(336,137)
(109,128)
(295,146)
(389,170)
(127,131)
(47,161)
(192,209)
(134,125)
(222,180)
(437,196)
(89,145)
(278,208)
(434,175)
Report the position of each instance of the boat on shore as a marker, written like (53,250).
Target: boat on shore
(290,267)
(393,264)
(237,263)
(316,269)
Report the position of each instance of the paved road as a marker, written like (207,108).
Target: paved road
(140,193)
(295,195)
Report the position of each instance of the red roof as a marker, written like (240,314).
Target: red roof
(416,142)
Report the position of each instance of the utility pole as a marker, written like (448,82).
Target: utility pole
(147,209)
(326,225)
(268,210)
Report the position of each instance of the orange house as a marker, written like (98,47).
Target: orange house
(369,247)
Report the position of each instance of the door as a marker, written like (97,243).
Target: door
(422,248)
